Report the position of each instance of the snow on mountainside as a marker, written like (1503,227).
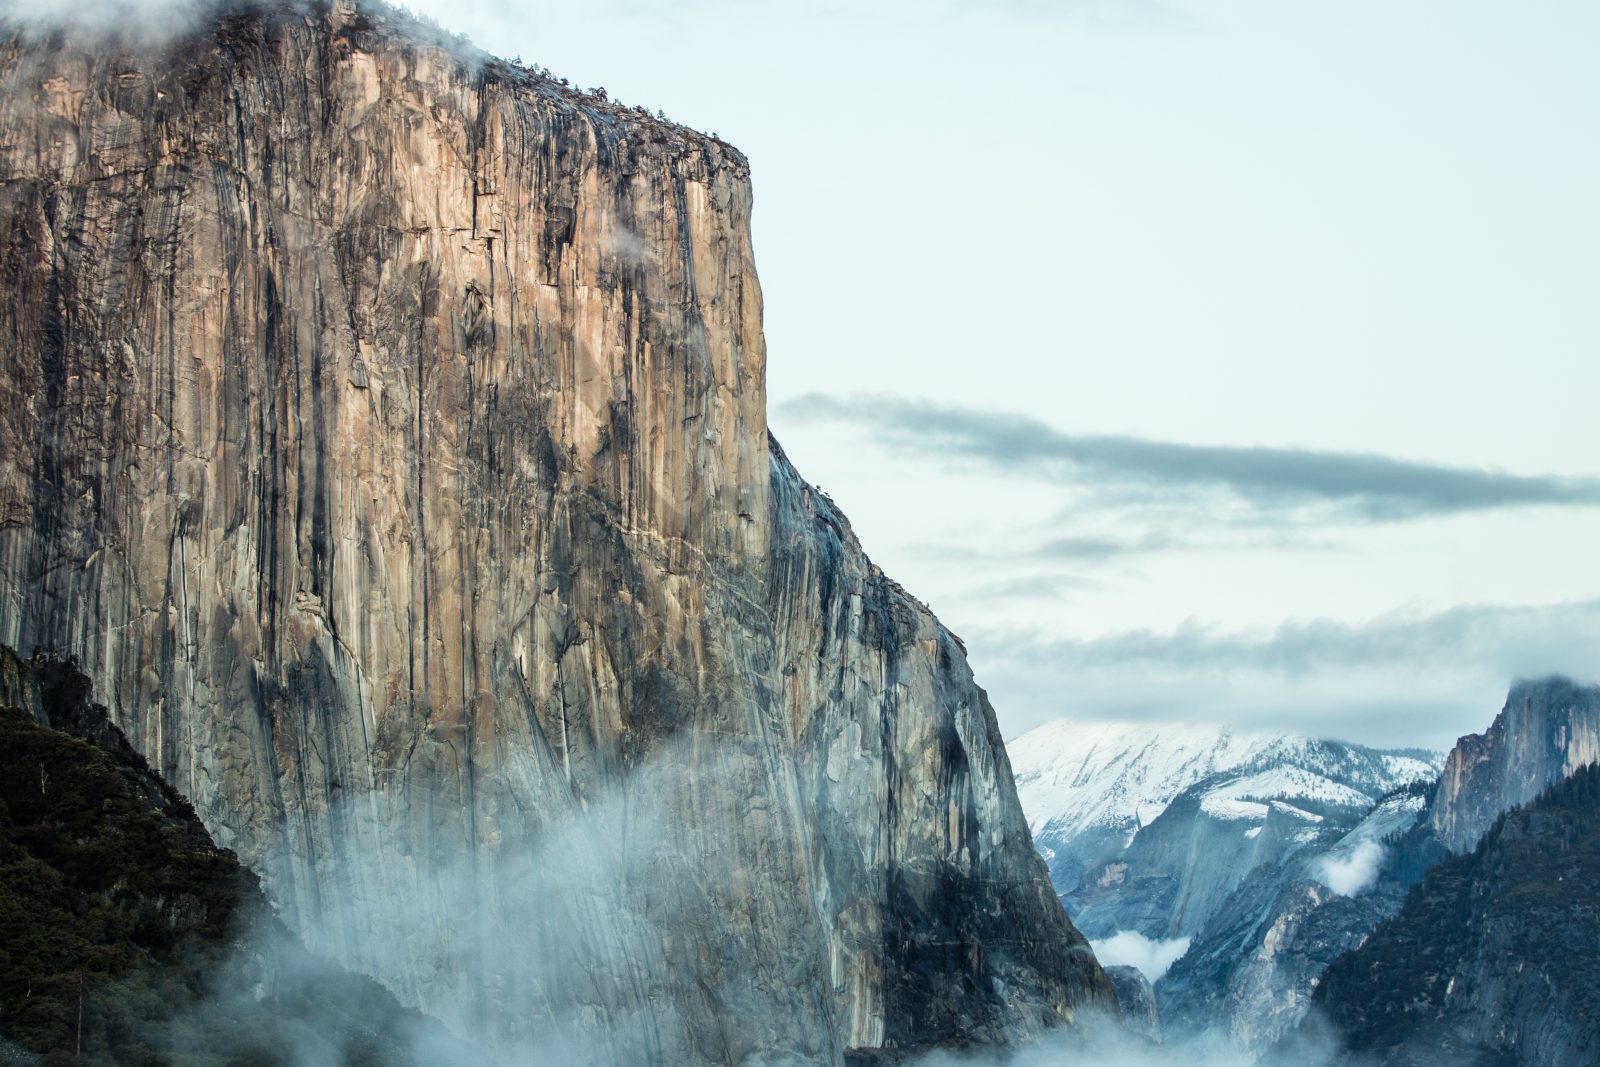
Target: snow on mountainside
(1146,828)
(1077,778)
(1073,777)
(1228,867)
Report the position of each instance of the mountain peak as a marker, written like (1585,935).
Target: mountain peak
(1548,728)
(1100,797)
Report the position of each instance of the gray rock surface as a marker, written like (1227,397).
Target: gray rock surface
(1250,972)
(1175,872)
(1251,975)
(1258,967)
(1137,998)
(383,429)
(1547,729)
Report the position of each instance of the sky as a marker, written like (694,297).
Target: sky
(1228,361)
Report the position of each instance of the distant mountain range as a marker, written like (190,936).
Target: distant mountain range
(1148,829)
(1246,875)
(1494,959)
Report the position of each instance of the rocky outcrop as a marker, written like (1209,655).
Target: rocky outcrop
(1249,974)
(127,937)
(1493,959)
(383,429)
(1137,999)
(1547,730)
(1210,846)
(1254,969)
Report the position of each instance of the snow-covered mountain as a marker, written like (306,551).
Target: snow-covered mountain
(1147,829)
(1248,974)
(1106,779)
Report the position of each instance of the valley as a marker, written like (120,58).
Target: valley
(417,648)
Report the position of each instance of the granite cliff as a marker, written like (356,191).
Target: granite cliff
(1547,730)
(382,428)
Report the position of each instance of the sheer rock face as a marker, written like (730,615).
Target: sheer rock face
(1547,730)
(383,429)
(1261,958)
(1137,1000)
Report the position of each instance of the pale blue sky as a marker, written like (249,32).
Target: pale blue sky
(1339,227)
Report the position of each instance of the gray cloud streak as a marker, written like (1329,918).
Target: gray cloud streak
(1073,548)
(1513,640)
(1365,487)
(1400,679)
(1107,548)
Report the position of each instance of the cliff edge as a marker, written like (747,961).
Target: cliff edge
(1547,730)
(382,428)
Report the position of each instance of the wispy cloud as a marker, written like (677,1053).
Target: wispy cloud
(1072,548)
(143,18)
(1512,639)
(1032,587)
(1402,678)
(1358,486)
(1083,548)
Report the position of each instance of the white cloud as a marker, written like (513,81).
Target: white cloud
(1402,679)
(1353,873)
(148,19)
(1128,948)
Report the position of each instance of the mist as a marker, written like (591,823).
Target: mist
(1132,949)
(144,19)
(559,936)
(1353,873)
(1102,1042)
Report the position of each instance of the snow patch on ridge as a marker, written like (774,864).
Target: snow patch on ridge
(1074,776)
(1229,809)
(1350,867)
(1291,783)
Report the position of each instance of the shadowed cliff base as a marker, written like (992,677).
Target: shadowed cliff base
(127,938)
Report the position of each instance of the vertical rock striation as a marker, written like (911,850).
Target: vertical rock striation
(384,431)
(1250,971)
(1547,730)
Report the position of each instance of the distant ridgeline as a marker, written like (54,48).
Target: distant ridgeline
(1473,987)
(1257,862)
(1255,859)
(1494,958)
(128,938)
